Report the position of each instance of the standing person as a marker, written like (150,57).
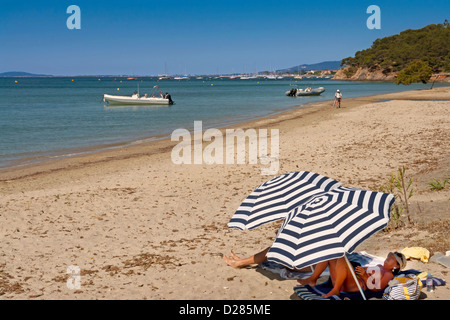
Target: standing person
(337,98)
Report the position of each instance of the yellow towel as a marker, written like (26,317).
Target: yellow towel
(417,253)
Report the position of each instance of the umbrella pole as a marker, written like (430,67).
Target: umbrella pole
(354,276)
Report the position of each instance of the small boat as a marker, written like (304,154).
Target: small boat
(156,97)
(295,92)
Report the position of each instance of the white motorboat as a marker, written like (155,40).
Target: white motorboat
(156,97)
(294,92)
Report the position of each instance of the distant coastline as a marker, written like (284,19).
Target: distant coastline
(22,74)
(304,68)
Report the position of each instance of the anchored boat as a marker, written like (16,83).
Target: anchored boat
(295,92)
(156,97)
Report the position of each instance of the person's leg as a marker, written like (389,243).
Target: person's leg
(338,273)
(237,262)
(311,280)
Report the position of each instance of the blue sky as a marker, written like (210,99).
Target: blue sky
(196,36)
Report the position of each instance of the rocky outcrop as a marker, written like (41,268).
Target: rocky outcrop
(440,77)
(364,74)
(361,74)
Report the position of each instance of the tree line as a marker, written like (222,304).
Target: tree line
(413,54)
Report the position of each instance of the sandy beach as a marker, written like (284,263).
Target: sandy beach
(141,227)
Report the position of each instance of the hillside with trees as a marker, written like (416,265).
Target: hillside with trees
(425,50)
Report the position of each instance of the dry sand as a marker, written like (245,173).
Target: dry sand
(140,227)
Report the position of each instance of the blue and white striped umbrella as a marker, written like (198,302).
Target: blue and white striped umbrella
(330,225)
(322,219)
(274,199)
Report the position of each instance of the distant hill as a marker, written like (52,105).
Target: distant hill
(22,74)
(388,56)
(326,65)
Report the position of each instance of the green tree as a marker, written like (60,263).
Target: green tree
(431,44)
(416,71)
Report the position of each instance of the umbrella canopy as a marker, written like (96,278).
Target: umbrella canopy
(274,199)
(322,219)
(329,225)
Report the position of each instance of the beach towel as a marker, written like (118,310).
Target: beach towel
(416,252)
(285,273)
(422,275)
(362,257)
(307,292)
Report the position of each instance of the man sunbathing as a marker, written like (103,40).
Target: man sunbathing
(371,278)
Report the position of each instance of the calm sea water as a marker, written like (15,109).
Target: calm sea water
(43,118)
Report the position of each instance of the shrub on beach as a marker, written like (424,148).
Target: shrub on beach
(401,187)
(438,185)
(416,71)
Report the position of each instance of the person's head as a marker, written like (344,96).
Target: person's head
(337,90)
(395,261)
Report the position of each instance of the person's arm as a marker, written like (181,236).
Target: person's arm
(376,281)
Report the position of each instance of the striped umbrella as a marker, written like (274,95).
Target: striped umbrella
(329,225)
(274,199)
(326,225)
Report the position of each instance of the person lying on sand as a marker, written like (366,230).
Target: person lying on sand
(371,278)
(237,262)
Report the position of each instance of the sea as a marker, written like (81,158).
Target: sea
(44,118)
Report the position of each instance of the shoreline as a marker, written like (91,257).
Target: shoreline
(56,155)
(77,157)
(141,227)
(52,156)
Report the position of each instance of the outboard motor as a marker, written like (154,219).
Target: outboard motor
(169,97)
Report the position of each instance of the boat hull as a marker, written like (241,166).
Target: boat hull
(302,93)
(123,100)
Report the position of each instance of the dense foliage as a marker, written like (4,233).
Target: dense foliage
(416,71)
(430,44)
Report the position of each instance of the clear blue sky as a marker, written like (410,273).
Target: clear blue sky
(195,36)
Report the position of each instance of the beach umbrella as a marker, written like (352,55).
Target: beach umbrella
(274,199)
(328,225)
